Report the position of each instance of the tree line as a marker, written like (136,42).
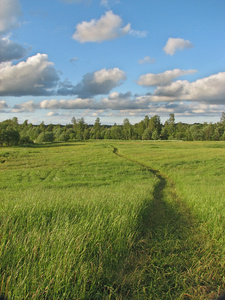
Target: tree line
(12,133)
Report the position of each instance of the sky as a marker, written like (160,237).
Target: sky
(112,59)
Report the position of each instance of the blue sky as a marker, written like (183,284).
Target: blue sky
(112,59)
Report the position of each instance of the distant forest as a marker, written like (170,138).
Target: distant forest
(12,133)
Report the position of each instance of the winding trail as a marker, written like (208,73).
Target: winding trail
(168,246)
(166,207)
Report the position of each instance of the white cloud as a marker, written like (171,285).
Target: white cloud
(35,76)
(100,82)
(10,50)
(209,89)
(164,78)
(67,104)
(10,11)
(175,89)
(29,106)
(3,104)
(108,27)
(146,60)
(138,33)
(52,114)
(174,44)
(203,96)
(97,83)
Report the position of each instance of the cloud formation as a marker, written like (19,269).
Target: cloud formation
(108,27)
(203,96)
(162,79)
(174,44)
(36,76)
(97,83)
(28,106)
(126,108)
(146,60)
(10,50)
(207,90)
(10,11)
(3,105)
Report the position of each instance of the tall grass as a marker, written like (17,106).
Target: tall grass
(82,221)
(70,217)
(198,173)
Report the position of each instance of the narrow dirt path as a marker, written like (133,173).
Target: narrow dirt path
(165,198)
(169,254)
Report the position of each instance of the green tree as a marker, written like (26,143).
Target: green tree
(2,136)
(97,129)
(45,137)
(116,132)
(170,127)
(12,136)
(197,132)
(207,132)
(222,119)
(64,137)
(80,129)
(147,134)
(127,129)
(42,126)
(107,134)
(86,134)
(139,129)
(155,125)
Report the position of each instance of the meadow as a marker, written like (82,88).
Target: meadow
(113,220)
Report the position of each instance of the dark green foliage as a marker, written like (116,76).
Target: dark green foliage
(45,137)
(12,133)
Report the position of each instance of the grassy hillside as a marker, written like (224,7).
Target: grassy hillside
(112,220)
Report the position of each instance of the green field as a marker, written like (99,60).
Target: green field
(113,220)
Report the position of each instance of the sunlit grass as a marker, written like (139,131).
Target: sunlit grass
(79,221)
(69,219)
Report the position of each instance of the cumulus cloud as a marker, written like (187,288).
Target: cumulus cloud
(52,114)
(204,95)
(175,89)
(119,96)
(3,105)
(115,101)
(108,27)
(9,13)
(97,83)
(67,104)
(10,50)
(209,89)
(124,102)
(36,76)
(146,60)
(174,44)
(29,106)
(164,78)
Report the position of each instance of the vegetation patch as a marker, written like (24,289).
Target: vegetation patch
(113,220)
